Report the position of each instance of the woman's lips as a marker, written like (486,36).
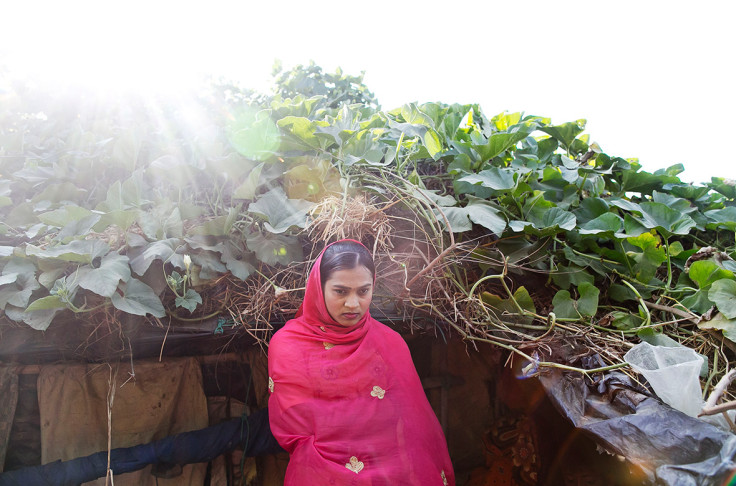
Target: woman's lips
(350,316)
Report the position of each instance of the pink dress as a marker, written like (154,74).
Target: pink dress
(348,405)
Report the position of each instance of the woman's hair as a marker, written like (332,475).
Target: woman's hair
(345,255)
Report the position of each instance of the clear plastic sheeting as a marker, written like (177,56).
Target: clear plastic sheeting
(668,446)
(673,373)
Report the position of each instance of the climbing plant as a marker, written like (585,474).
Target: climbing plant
(138,206)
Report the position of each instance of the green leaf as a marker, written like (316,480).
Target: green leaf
(37,319)
(162,221)
(553,218)
(138,299)
(8,278)
(605,223)
(567,132)
(724,218)
(165,250)
(48,302)
(280,212)
(236,260)
(565,276)
(80,251)
(254,135)
(660,216)
(190,300)
(587,304)
(274,249)
(77,229)
(723,323)
(64,216)
(705,272)
(493,178)
(432,143)
(104,279)
(727,187)
(457,217)
(484,214)
(18,293)
(247,190)
(652,256)
(219,226)
(303,130)
(564,305)
(625,320)
(723,294)
(506,310)
(209,264)
(644,182)
(501,141)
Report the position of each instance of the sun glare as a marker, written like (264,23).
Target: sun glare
(99,47)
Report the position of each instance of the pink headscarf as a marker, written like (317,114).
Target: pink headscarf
(348,405)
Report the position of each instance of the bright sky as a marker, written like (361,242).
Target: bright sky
(654,79)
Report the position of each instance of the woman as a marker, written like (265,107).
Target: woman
(346,401)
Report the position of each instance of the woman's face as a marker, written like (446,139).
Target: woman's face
(348,294)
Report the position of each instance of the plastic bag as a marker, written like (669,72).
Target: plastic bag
(673,374)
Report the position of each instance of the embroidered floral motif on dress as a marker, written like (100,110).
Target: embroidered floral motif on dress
(328,345)
(378,392)
(270,384)
(355,465)
(444,479)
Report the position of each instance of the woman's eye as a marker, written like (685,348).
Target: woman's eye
(363,291)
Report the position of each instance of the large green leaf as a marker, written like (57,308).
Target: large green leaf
(305,131)
(274,249)
(236,260)
(501,141)
(567,132)
(37,319)
(80,251)
(705,272)
(665,219)
(647,261)
(219,226)
(722,323)
(247,190)
(723,293)
(138,299)
(564,305)
(553,217)
(48,302)
(253,134)
(725,218)
(605,223)
(165,250)
(103,280)
(63,216)
(588,301)
(280,212)
(20,282)
(484,214)
(586,305)
(493,178)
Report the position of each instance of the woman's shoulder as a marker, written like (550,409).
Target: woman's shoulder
(387,333)
(285,336)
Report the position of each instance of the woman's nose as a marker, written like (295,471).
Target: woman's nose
(352,301)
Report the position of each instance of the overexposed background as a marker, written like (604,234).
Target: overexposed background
(653,78)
